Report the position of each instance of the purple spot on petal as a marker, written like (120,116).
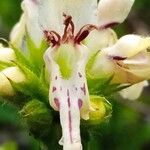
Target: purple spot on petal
(34,1)
(57,103)
(69,104)
(70,126)
(68,93)
(83,89)
(80,103)
(80,75)
(54,89)
(56,78)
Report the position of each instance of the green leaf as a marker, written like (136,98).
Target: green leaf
(4,65)
(36,53)
(21,58)
(32,86)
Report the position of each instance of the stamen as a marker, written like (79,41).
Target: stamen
(69,29)
(84,32)
(52,37)
(109,25)
(119,58)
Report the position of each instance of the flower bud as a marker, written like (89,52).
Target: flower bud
(38,117)
(101,109)
(7,54)
(14,74)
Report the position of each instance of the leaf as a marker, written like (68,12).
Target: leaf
(36,53)
(21,57)
(32,86)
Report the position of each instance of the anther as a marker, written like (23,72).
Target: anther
(84,32)
(52,37)
(69,28)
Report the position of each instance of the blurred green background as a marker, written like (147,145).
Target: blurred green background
(129,127)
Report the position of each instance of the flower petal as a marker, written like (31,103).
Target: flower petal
(129,46)
(30,8)
(18,32)
(113,11)
(101,66)
(98,40)
(82,12)
(51,13)
(68,94)
(134,91)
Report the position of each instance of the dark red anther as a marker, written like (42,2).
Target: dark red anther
(119,58)
(52,37)
(83,33)
(109,25)
(69,29)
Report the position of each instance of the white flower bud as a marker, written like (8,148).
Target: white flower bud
(7,54)
(14,74)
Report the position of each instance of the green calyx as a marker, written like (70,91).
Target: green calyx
(37,116)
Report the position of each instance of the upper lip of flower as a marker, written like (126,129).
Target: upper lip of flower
(48,16)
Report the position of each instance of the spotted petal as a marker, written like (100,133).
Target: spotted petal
(69,93)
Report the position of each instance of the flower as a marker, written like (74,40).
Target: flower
(128,60)
(69,28)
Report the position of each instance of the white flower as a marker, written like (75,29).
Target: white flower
(128,60)
(66,26)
